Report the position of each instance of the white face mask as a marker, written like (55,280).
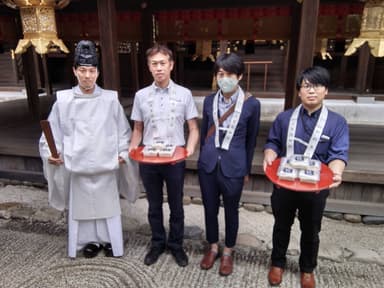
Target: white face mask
(227,84)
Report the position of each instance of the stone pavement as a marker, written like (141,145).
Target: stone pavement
(33,241)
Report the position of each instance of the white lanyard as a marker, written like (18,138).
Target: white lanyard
(234,120)
(316,134)
(167,123)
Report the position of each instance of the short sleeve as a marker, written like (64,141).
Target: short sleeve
(136,114)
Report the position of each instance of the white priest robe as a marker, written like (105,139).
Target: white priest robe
(91,131)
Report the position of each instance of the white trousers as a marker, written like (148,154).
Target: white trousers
(106,230)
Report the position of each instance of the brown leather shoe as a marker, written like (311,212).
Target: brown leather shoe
(226,265)
(307,280)
(275,275)
(208,259)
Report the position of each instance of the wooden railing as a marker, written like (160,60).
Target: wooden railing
(248,68)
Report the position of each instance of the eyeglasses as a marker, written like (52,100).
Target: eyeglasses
(315,87)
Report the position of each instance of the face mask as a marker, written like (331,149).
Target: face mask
(227,84)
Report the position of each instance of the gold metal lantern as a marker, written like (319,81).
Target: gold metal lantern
(372,29)
(39,24)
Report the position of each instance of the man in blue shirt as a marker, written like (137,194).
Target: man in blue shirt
(294,131)
(160,111)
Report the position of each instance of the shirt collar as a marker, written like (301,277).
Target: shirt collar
(158,89)
(79,94)
(233,97)
(314,114)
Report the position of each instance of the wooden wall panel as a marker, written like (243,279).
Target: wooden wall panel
(77,26)
(8,29)
(171,30)
(202,30)
(274,28)
(234,29)
(129,26)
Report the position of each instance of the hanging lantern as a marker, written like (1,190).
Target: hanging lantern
(372,29)
(39,24)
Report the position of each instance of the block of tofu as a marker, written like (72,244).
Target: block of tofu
(286,172)
(311,176)
(299,161)
(159,144)
(167,151)
(314,165)
(150,151)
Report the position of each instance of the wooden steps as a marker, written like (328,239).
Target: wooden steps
(8,77)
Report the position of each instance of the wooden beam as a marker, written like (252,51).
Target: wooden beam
(302,45)
(108,43)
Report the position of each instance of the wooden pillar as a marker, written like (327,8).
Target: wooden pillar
(175,71)
(47,80)
(36,66)
(286,63)
(302,45)
(364,70)
(31,82)
(147,42)
(108,43)
(180,65)
(69,77)
(134,67)
(343,71)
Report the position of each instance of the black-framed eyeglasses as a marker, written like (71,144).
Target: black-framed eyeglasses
(315,87)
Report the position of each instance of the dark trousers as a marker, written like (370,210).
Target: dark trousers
(213,185)
(310,207)
(153,177)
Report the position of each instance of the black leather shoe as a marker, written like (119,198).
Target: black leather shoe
(153,254)
(108,250)
(92,249)
(180,257)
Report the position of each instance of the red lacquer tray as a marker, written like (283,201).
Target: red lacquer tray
(326,176)
(137,155)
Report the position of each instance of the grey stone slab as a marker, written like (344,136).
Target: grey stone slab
(48,214)
(333,253)
(353,218)
(187,200)
(250,241)
(376,220)
(23,213)
(366,256)
(193,232)
(334,215)
(128,223)
(197,201)
(253,207)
